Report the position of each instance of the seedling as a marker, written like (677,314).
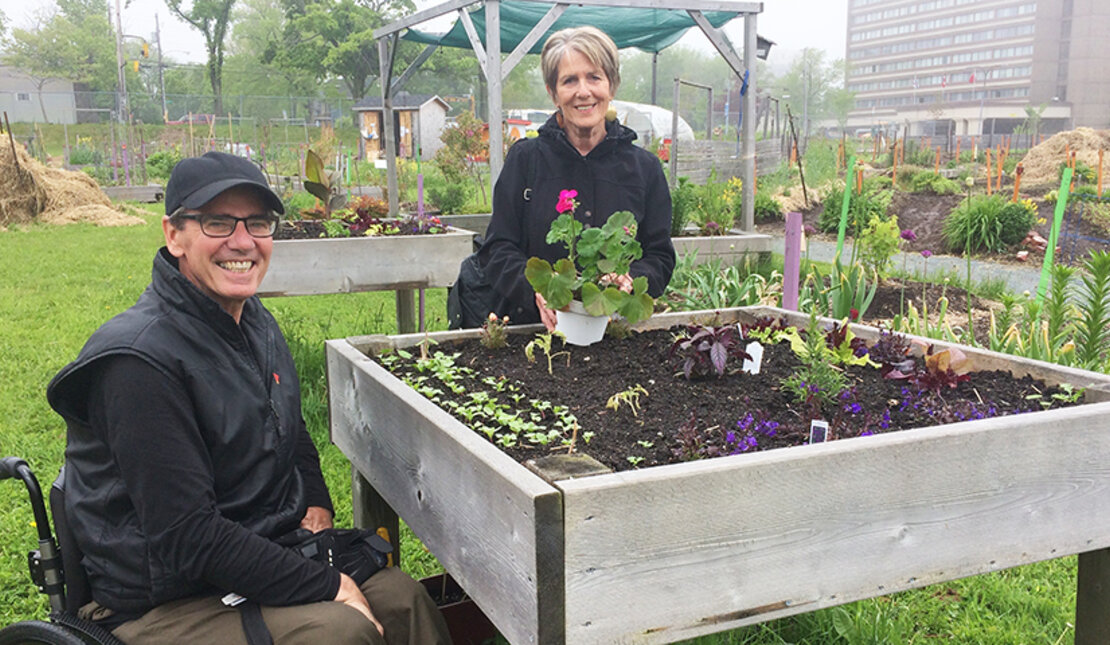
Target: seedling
(630,397)
(493,334)
(544,342)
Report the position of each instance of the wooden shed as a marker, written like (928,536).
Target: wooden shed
(418,120)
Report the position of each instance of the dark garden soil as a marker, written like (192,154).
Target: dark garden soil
(310,229)
(300,230)
(924,214)
(738,412)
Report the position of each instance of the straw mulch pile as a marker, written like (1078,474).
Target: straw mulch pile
(30,191)
(1042,162)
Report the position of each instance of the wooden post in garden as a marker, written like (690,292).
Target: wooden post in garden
(370,511)
(791,271)
(989,173)
(1092,598)
(1017,179)
(1001,160)
(1100,151)
(936,167)
(959,140)
(894,166)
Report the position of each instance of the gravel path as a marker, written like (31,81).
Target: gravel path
(1018,277)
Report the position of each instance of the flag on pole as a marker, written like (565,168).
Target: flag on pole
(944,81)
(972,79)
(915,81)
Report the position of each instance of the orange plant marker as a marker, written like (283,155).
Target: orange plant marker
(959,140)
(859,179)
(936,168)
(989,173)
(1017,180)
(1100,151)
(1000,158)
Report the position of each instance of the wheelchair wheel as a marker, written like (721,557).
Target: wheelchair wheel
(37,632)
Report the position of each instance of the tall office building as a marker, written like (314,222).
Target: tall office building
(973,66)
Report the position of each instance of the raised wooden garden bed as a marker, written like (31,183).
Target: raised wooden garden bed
(671,552)
(350,264)
(729,249)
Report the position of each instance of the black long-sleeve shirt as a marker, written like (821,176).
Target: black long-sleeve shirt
(148,423)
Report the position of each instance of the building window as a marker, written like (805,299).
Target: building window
(22,96)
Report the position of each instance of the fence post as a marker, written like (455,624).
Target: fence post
(792,261)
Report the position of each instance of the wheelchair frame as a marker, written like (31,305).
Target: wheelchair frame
(63,588)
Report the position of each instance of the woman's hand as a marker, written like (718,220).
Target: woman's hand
(622,281)
(547,315)
(316,519)
(349,594)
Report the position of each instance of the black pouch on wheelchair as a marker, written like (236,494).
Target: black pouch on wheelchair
(356,552)
(472,298)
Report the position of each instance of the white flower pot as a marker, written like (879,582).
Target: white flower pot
(579,327)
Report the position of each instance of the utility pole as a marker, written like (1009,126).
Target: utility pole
(122,78)
(161,75)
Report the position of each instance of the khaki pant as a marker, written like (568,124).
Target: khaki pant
(400,604)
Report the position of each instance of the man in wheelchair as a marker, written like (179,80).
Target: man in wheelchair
(188,463)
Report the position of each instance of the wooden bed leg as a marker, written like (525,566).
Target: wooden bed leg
(1092,600)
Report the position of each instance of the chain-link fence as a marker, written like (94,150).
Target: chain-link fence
(101,107)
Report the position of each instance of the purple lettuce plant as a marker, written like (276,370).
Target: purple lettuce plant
(706,350)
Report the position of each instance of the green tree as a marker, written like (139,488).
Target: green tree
(256,25)
(334,38)
(811,82)
(212,19)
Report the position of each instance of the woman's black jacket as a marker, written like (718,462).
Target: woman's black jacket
(616,175)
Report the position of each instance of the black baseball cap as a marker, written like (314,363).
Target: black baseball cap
(197,180)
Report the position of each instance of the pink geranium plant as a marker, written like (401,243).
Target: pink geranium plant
(593,254)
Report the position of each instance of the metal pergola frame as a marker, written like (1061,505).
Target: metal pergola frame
(495,70)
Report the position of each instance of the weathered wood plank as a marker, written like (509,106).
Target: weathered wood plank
(310,267)
(147,194)
(727,248)
(1092,599)
(722,543)
(492,524)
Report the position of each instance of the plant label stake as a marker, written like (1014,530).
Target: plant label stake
(818,431)
(752,365)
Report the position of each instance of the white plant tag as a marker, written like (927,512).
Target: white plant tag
(752,365)
(818,431)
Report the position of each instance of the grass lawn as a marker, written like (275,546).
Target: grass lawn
(61,283)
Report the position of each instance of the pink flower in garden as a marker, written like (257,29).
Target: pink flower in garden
(809,229)
(926,254)
(566,201)
(908,235)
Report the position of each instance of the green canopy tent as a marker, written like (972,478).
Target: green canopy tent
(519,27)
(650,30)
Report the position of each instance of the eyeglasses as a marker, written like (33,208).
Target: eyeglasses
(224,225)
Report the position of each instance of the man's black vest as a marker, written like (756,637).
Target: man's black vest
(246,395)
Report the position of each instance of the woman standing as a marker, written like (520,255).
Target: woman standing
(582,148)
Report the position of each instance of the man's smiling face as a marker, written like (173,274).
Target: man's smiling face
(227,269)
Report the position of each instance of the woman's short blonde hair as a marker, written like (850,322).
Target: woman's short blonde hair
(592,43)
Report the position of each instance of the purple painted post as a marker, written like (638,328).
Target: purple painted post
(420,196)
(792,261)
